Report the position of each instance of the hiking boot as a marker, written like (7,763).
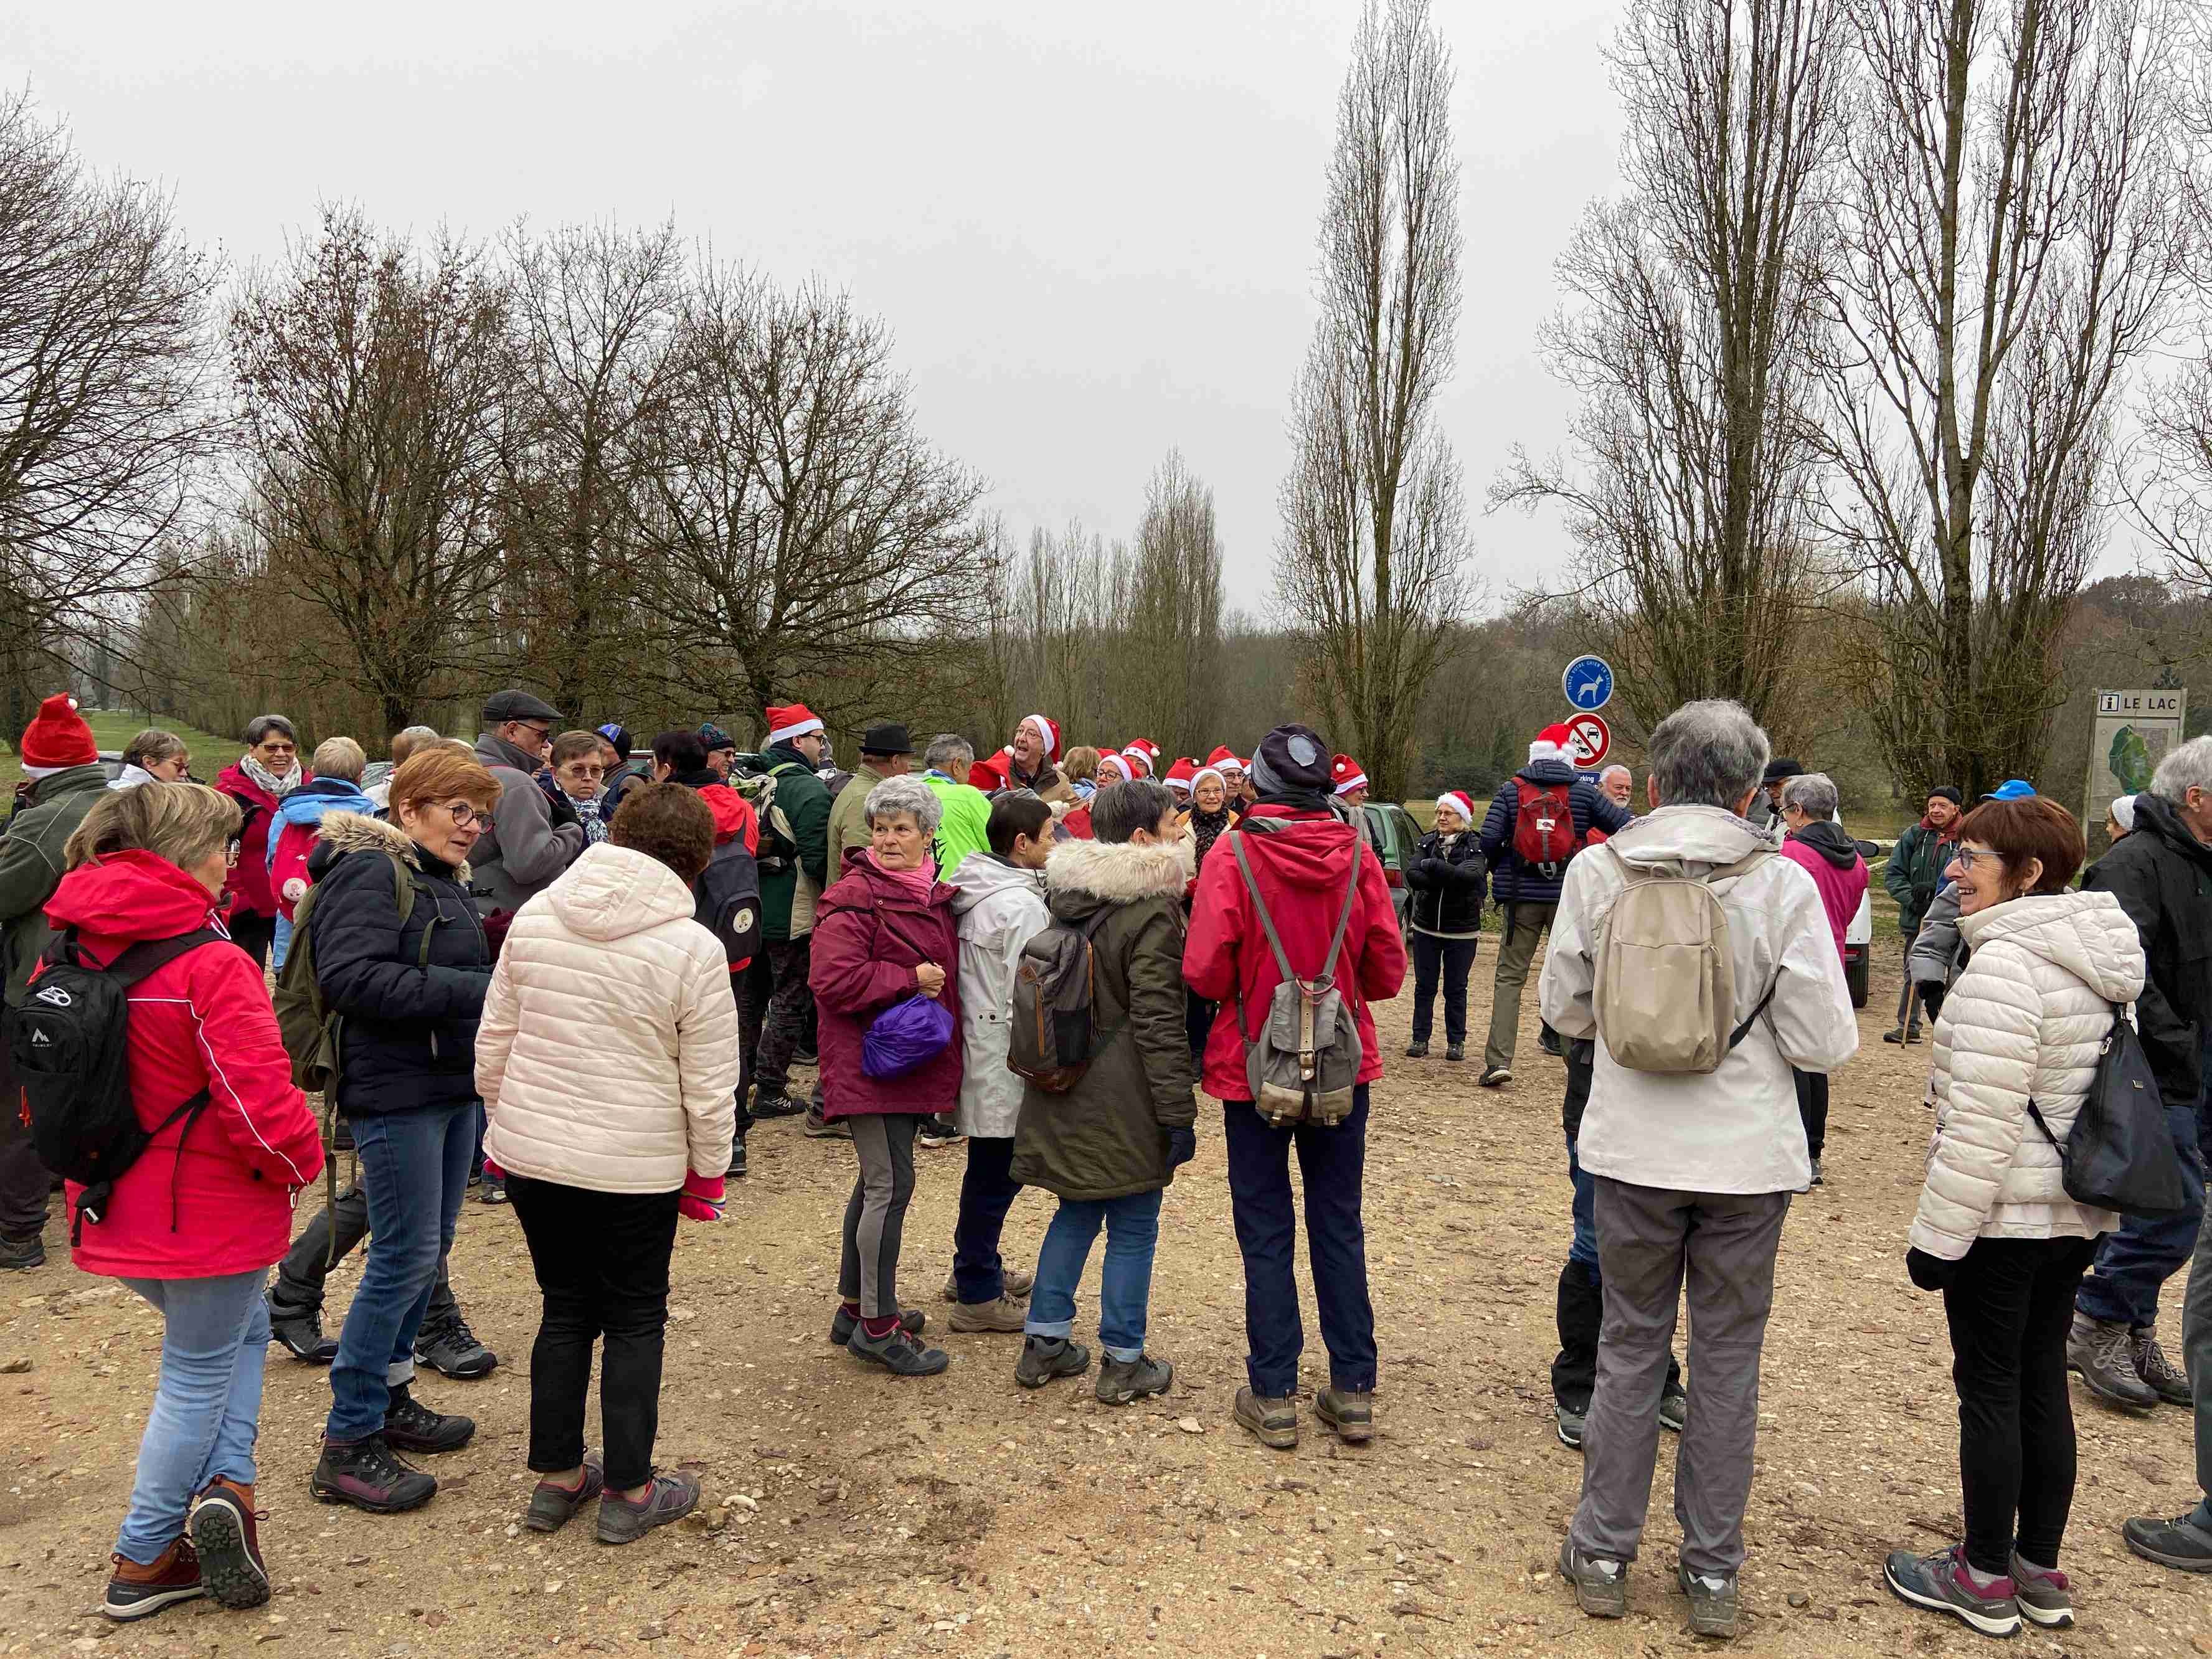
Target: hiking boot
(843,1324)
(1714,1603)
(411,1427)
(1495,1077)
(137,1592)
(1044,1358)
(1005,1313)
(1549,1041)
(1571,1421)
(1600,1586)
(2099,1352)
(1897,1035)
(450,1347)
(365,1474)
(1939,1582)
(301,1331)
(667,1498)
(897,1352)
(819,1128)
(2158,1374)
(1120,1380)
(736,1170)
(1416,1051)
(21,1256)
(229,1547)
(806,1056)
(1457,1052)
(1350,1412)
(1818,1179)
(552,1506)
(2046,1597)
(1272,1418)
(2183,1543)
(493,1190)
(938,1132)
(778,1106)
(1675,1407)
(1016,1282)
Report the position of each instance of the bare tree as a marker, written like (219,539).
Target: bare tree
(1689,333)
(2006,248)
(371,378)
(1174,610)
(105,411)
(1371,562)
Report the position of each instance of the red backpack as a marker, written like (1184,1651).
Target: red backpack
(1544,826)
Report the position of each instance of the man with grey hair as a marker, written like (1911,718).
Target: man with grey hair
(967,825)
(1616,783)
(1693,1170)
(404,743)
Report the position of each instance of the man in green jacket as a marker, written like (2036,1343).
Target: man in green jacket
(1915,871)
(886,751)
(63,780)
(967,825)
(1110,1144)
(794,869)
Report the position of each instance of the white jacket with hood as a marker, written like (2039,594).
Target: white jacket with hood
(1734,1130)
(2025,1021)
(1000,910)
(608,1055)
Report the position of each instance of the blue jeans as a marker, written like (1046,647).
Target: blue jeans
(988,1190)
(2122,1285)
(1125,1284)
(415,1168)
(207,1406)
(1333,1163)
(1584,1248)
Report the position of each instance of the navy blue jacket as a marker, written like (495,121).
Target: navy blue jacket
(1508,881)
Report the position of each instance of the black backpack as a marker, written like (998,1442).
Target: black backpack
(69,1044)
(729,900)
(2118,1155)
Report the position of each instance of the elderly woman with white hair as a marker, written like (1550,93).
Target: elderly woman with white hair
(1817,844)
(886,976)
(334,785)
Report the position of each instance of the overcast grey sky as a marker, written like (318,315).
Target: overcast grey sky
(1091,228)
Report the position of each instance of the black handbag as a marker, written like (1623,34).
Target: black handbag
(2118,1155)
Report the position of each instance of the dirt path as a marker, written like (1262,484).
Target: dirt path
(961,1515)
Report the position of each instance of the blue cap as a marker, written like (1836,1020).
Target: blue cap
(2011,789)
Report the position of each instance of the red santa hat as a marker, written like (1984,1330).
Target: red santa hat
(1460,802)
(1147,751)
(791,720)
(992,774)
(1048,729)
(1182,775)
(1121,766)
(1346,774)
(1551,744)
(1205,772)
(56,739)
(1224,756)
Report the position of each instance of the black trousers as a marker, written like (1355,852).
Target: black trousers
(988,1190)
(253,935)
(300,1275)
(26,1188)
(2010,1307)
(602,1265)
(1813,1108)
(1448,959)
(774,1014)
(1198,1024)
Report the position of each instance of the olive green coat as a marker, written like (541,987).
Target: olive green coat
(31,864)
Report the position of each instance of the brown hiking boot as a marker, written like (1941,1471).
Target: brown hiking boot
(229,1547)
(1004,1315)
(139,1592)
(2099,1352)
(1350,1414)
(1275,1421)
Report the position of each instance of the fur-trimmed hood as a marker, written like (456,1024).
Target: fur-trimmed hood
(356,832)
(1117,873)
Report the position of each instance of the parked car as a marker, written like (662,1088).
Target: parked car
(1394,835)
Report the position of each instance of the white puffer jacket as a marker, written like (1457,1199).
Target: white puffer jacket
(608,1055)
(2026,1020)
(1000,910)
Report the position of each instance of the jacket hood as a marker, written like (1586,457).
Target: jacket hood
(2154,813)
(1829,841)
(67,781)
(494,751)
(2086,934)
(729,809)
(1115,872)
(1690,839)
(129,896)
(356,832)
(1302,849)
(984,875)
(1548,771)
(611,892)
(312,800)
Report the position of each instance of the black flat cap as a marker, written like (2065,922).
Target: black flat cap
(886,739)
(1778,769)
(503,706)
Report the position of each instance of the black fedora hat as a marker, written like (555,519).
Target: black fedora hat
(887,738)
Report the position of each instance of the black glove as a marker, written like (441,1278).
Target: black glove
(1182,1147)
(1932,993)
(1930,1273)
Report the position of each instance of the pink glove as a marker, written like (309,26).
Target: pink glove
(703,1197)
(492,1172)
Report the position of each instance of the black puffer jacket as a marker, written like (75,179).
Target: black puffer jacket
(1448,884)
(411,993)
(2162,877)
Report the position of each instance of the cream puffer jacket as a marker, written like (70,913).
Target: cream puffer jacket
(1001,909)
(2026,1019)
(608,1055)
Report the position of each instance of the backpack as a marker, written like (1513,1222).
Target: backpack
(1544,826)
(2118,1155)
(309,1028)
(1665,985)
(1304,1062)
(69,1044)
(1055,1033)
(779,842)
(729,903)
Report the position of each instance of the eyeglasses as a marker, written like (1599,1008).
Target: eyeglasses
(230,850)
(583,770)
(540,732)
(461,813)
(1968,857)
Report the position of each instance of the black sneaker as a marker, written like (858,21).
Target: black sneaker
(938,1132)
(365,1474)
(451,1348)
(778,1106)
(301,1331)
(493,1190)
(1454,1053)
(1896,1036)
(1497,1077)
(736,1170)
(21,1256)
(1715,1601)
(1572,1420)
(1675,1407)
(1416,1051)
(1549,1041)
(1044,1358)
(843,1324)
(899,1352)
(2180,1543)
(1939,1582)
(411,1427)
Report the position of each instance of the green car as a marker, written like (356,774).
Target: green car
(1393,834)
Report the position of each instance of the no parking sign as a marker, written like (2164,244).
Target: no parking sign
(1588,739)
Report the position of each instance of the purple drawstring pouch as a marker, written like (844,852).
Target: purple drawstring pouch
(905,1036)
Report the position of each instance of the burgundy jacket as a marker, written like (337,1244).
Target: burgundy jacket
(870,932)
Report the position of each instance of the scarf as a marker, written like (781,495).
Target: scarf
(278,786)
(920,882)
(1205,827)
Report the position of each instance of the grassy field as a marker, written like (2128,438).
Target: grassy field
(112,731)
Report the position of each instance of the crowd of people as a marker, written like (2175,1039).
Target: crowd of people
(572,974)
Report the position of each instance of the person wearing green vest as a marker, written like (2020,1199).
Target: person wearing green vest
(886,751)
(794,868)
(967,825)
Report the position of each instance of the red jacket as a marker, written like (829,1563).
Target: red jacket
(1077,823)
(1301,871)
(870,930)
(733,816)
(222,1203)
(249,882)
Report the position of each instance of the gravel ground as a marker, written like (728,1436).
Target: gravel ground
(848,1512)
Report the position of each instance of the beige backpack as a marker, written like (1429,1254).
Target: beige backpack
(1665,987)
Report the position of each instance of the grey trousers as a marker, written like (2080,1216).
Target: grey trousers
(1526,925)
(1649,1242)
(875,1216)
(2197,1348)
